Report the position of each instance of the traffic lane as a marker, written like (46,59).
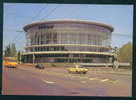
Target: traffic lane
(71,85)
(18,82)
(61,86)
(15,84)
(123,88)
(126,92)
(98,86)
(122,78)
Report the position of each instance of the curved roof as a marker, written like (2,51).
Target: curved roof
(26,27)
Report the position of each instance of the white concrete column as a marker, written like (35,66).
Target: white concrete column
(33,58)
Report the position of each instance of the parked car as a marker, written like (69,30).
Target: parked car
(40,66)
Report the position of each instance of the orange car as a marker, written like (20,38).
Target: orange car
(10,62)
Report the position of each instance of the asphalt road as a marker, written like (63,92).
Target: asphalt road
(26,80)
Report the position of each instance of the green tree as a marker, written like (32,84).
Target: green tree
(13,50)
(125,53)
(10,50)
(7,51)
(19,56)
(115,52)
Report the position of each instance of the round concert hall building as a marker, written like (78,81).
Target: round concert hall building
(68,41)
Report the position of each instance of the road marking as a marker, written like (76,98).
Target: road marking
(74,76)
(104,80)
(109,80)
(93,78)
(83,81)
(49,82)
(113,81)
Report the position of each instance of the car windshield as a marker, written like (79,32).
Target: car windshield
(11,60)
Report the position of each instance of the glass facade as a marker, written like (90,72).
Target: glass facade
(67,48)
(70,58)
(69,36)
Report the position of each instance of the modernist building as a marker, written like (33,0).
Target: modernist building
(68,41)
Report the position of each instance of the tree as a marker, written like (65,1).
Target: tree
(20,58)
(115,58)
(10,50)
(115,52)
(7,51)
(125,53)
(13,50)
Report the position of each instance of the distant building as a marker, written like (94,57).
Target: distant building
(68,41)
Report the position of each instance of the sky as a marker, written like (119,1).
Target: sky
(17,15)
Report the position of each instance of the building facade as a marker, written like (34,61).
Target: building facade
(68,41)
